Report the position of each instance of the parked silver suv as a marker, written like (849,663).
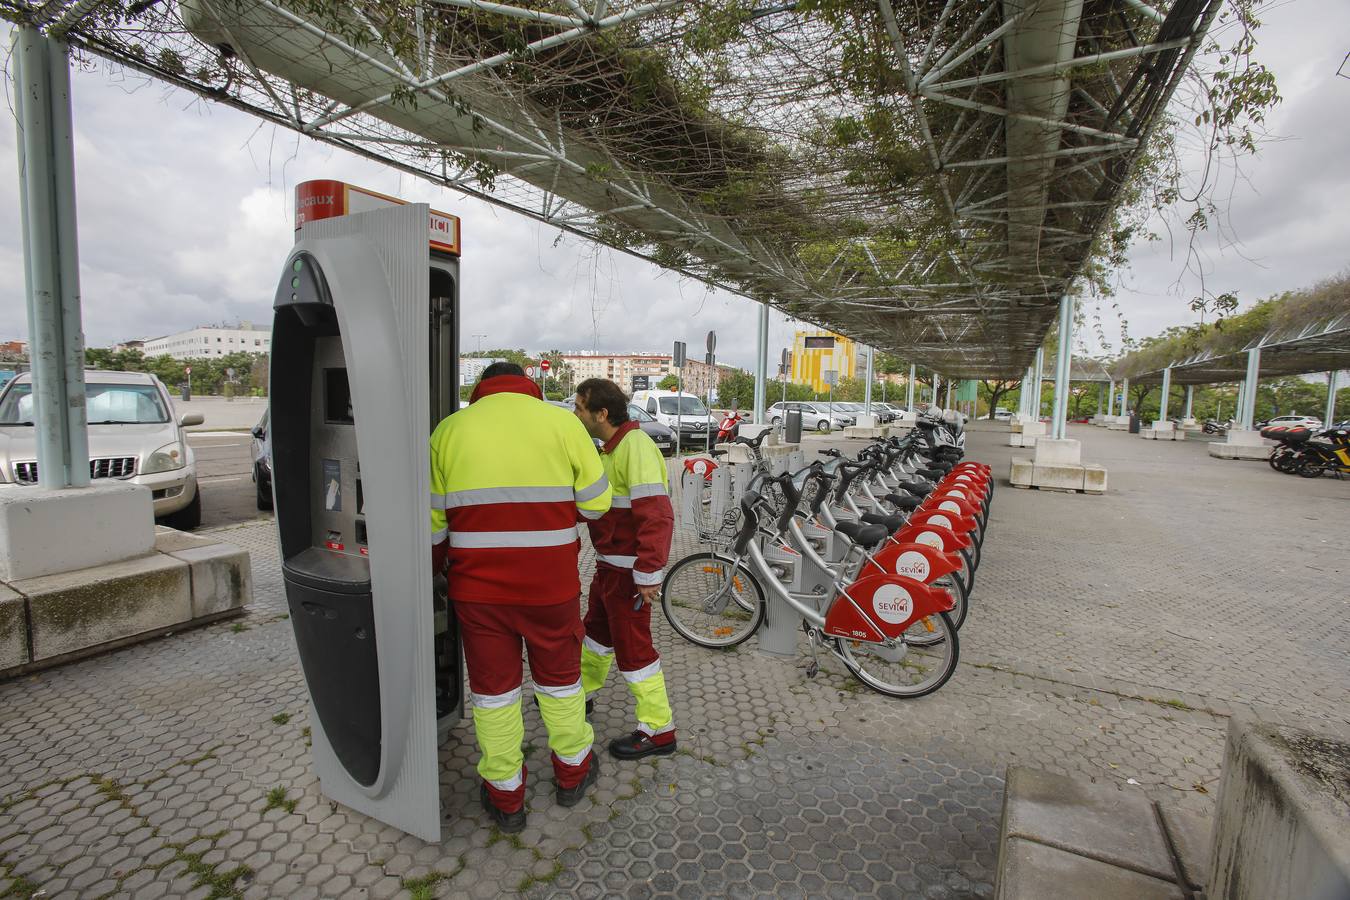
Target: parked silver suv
(133,436)
(815,415)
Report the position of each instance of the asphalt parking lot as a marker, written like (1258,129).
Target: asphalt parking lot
(224,477)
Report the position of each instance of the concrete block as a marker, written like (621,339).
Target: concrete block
(13,629)
(1220,450)
(1094,479)
(1190,837)
(1031,871)
(1280,823)
(167,540)
(44,531)
(1244,438)
(1021,471)
(907,419)
(1057,478)
(750,430)
(1064,452)
(75,611)
(222,578)
(1097,820)
(1148,434)
(860,431)
(865,421)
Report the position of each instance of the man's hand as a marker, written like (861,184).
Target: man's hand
(649,593)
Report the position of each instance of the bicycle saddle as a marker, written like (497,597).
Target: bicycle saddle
(903,501)
(915,486)
(890,523)
(717,453)
(864,535)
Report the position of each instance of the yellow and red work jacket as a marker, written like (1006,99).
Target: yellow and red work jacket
(509,474)
(635,534)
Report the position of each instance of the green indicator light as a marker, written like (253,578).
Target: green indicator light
(295,282)
(298,265)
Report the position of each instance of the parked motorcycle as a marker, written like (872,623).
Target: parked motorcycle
(1210,426)
(729,425)
(1326,452)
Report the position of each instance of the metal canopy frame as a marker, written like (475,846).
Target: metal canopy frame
(1321,347)
(1024,118)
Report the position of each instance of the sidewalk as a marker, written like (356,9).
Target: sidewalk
(1108,639)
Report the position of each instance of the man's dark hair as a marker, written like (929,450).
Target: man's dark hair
(601,393)
(501,368)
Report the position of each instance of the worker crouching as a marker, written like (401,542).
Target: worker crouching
(632,545)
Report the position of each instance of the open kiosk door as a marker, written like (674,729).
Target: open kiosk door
(363,351)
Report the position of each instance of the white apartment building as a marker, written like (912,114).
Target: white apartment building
(471,368)
(211,340)
(618,368)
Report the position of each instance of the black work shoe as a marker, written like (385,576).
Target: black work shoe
(507,823)
(570,797)
(637,745)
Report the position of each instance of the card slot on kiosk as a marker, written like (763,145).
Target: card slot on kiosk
(364,365)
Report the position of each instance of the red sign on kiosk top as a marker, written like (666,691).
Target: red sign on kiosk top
(325,199)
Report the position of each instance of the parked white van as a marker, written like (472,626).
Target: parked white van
(669,407)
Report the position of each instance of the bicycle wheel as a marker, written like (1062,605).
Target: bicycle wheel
(704,608)
(911,669)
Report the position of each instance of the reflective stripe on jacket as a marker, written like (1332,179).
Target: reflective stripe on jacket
(636,532)
(509,475)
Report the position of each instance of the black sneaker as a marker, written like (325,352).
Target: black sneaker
(637,745)
(570,797)
(507,823)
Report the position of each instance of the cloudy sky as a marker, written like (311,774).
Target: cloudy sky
(185,215)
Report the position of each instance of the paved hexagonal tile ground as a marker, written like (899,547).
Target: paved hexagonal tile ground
(1109,638)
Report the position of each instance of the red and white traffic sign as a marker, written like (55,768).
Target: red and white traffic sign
(529,371)
(187,370)
(545,365)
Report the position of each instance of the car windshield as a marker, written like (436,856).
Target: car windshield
(687,406)
(106,404)
(638,414)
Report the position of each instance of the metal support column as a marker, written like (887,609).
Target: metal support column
(1166,393)
(1249,393)
(867,389)
(1024,394)
(762,365)
(909,389)
(1039,385)
(937,385)
(947,400)
(1190,400)
(1330,415)
(51,262)
(1111,398)
(1101,390)
(1124,396)
(1063,362)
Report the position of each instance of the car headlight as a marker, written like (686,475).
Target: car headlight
(165,459)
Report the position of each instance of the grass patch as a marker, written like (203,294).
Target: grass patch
(497,836)
(308,736)
(277,799)
(238,628)
(530,881)
(424,888)
(281,718)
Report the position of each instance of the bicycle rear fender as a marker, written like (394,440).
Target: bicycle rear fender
(943,501)
(700,465)
(922,562)
(936,536)
(958,524)
(884,606)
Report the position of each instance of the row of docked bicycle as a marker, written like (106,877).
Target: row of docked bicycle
(876,555)
(1309,452)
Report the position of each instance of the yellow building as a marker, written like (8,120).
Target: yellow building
(815,352)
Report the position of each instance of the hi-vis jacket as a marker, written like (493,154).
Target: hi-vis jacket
(509,475)
(635,533)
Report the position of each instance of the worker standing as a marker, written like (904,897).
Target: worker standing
(509,475)
(632,544)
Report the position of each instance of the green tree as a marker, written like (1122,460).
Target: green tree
(669,383)
(992,391)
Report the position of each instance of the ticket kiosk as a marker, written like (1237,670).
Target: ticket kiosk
(364,364)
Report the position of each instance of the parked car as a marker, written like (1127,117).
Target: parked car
(133,437)
(815,416)
(672,409)
(261,447)
(1292,421)
(855,409)
(662,437)
(1002,415)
